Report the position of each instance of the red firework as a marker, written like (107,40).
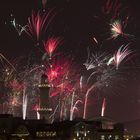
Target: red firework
(15,85)
(61,76)
(112,7)
(51,44)
(38,23)
(58,69)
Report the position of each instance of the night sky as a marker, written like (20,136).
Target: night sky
(77,21)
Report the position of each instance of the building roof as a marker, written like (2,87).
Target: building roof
(103,119)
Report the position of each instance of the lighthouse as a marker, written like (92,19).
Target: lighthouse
(44,109)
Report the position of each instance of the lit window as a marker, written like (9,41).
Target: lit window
(77,134)
(109,137)
(102,137)
(85,134)
(116,137)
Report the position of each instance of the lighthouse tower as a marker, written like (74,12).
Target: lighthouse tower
(45,108)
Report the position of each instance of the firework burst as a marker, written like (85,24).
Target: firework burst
(37,24)
(121,54)
(19,28)
(50,45)
(86,100)
(95,60)
(117,28)
(64,81)
(112,8)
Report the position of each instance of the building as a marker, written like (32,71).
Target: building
(44,109)
(98,129)
(12,128)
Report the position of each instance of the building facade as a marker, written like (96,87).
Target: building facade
(12,128)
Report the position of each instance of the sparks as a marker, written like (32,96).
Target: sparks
(116,29)
(38,23)
(51,44)
(121,54)
(19,28)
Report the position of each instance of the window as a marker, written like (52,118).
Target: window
(110,137)
(116,137)
(102,137)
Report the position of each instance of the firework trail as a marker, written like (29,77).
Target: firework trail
(95,40)
(24,105)
(37,111)
(110,61)
(95,60)
(103,108)
(3,58)
(89,63)
(86,100)
(71,108)
(61,109)
(36,108)
(38,114)
(20,29)
(120,55)
(74,108)
(53,114)
(37,67)
(37,24)
(81,83)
